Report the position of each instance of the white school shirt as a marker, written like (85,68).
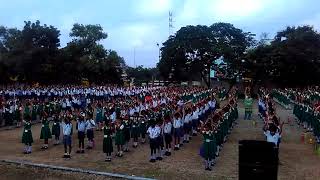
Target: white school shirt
(153,132)
(66,129)
(81,126)
(90,124)
(274,139)
(195,115)
(155,104)
(187,118)
(68,103)
(176,123)
(132,111)
(213,104)
(206,107)
(167,128)
(113,116)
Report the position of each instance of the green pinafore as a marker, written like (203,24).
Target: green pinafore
(27,134)
(107,140)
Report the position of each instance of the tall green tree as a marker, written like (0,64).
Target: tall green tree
(193,50)
(291,58)
(30,53)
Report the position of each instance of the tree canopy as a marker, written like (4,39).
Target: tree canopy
(193,50)
(291,58)
(33,55)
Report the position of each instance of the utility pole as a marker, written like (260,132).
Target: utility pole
(134,57)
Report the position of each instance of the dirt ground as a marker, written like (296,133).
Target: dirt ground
(298,161)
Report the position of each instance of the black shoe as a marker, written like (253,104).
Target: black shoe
(166,153)
(206,169)
(126,150)
(159,158)
(42,147)
(169,153)
(181,145)
(190,138)
(175,148)
(187,141)
(152,160)
(194,134)
(25,152)
(82,151)
(209,169)
(78,151)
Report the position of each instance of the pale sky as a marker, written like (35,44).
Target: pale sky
(141,24)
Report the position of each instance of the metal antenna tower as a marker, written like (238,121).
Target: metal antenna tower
(170,23)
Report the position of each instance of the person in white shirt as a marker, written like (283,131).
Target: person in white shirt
(153,133)
(187,119)
(90,125)
(195,117)
(67,140)
(167,134)
(81,127)
(273,135)
(160,144)
(176,128)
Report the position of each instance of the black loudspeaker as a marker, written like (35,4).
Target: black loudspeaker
(257,160)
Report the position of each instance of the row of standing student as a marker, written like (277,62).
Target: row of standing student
(272,128)
(119,127)
(178,128)
(216,129)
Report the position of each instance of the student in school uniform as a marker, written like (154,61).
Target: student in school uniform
(208,145)
(143,126)
(176,130)
(99,117)
(107,140)
(90,126)
(167,129)
(56,129)
(45,133)
(81,127)
(153,133)
(187,119)
(127,133)
(67,133)
(160,144)
(182,117)
(27,138)
(195,116)
(135,130)
(273,135)
(119,138)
